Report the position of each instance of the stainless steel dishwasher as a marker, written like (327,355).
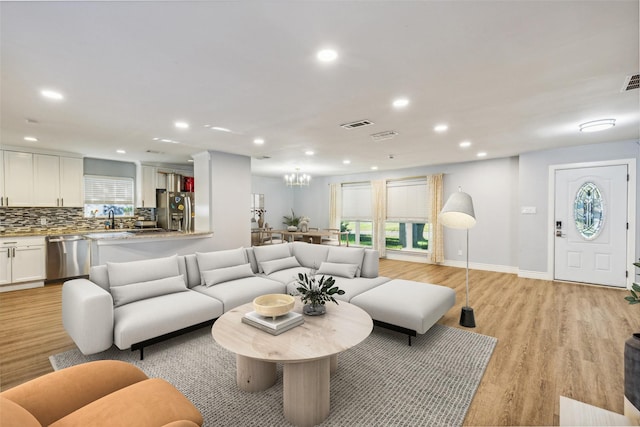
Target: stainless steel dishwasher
(67,256)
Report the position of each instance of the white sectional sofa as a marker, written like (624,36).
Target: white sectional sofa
(135,304)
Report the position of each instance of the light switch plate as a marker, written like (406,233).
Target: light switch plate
(528,210)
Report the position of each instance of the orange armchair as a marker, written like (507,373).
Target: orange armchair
(100,394)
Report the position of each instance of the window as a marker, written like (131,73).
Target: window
(104,193)
(356,213)
(408,205)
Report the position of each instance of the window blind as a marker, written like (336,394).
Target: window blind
(408,200)
(356,201)
(108,190)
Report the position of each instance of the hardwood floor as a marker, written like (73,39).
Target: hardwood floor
(553,339)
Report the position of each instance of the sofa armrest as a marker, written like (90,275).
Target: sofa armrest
(87,315)
(53,396)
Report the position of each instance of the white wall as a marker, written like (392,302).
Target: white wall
(223,186)
(278,199)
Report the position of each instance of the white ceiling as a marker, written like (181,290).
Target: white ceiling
(510,76)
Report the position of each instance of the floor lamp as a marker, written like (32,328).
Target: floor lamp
(458,213)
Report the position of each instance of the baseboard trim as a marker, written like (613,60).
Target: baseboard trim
(538,275)
(480,266)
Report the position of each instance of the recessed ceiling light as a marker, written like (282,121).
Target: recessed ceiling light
(52,94)
(482,154)
(190,160)
(166,140)
(597,125)
(258,141)
(327,55)
(220,129)
(156,139)
(441,128)
(121,152)
(309,153)
(31,138)
(400,102)
(346,162)
(465,144)
(374,168)
(181,125)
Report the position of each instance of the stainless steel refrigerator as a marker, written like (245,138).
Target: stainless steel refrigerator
(175,210)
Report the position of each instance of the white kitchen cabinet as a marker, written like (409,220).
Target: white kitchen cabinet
(46,180)
(18,178)
(42,180)
(71,182)
(149,185)
(22,259)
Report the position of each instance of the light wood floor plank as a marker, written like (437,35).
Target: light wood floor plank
(553,339)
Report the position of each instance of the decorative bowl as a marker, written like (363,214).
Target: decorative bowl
(292,228)
(273,305)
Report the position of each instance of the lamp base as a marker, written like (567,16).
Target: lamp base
(467,319)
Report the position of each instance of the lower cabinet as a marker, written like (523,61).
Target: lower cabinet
(22,260)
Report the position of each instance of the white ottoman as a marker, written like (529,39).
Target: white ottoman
(406,306)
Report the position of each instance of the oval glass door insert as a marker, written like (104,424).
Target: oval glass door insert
(588,211)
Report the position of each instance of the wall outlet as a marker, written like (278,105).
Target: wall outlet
(43,220)
(460,252)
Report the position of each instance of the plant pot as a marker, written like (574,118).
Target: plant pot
(632,374)
(314,310)
(292,228)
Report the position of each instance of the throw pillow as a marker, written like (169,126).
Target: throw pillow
(124,294)
(279,264)
(220,259)
(270,252)
(337,269)
(347,256)
(124,273)
(226,274)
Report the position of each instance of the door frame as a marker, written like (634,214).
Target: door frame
(631,211)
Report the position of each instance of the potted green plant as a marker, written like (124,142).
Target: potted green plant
(291,221)
(632,359)
(314,294)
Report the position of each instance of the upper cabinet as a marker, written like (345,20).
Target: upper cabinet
(149,185)
(18,178)
(42,180)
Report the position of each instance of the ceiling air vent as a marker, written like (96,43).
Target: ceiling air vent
(358,124)
(154,152)
(381,136)
(631,82)
(262,157)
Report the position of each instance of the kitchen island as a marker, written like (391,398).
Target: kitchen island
(132,245)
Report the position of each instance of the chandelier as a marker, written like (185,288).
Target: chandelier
(297,179)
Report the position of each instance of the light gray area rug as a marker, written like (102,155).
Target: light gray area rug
(380,382)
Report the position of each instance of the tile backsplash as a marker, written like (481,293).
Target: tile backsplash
(61,219)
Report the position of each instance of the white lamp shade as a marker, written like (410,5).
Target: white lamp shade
(458,212)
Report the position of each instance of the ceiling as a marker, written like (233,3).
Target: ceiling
(508,76)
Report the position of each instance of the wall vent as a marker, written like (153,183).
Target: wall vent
(358,124)
(262,157)
(631,83)
(154,152)
(381,136)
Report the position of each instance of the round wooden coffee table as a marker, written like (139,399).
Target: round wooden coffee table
(308,353)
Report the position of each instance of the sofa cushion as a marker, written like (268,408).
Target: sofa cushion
(220,275)
(279,264)
(220,259)
(310,255)
(270,252)
(12,414)
(289,275)
(241,291)
(337,269)
(139,320)
(124,294)
(347,256)
(124,273)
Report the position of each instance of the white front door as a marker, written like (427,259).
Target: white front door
(591,225)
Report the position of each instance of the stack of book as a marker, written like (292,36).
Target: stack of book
(273,326)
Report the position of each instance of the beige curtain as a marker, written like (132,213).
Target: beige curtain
(379,214)
(335,205)
(437,247)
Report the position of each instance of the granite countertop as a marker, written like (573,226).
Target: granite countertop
(101,234)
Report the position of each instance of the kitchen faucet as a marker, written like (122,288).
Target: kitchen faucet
(112,219)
